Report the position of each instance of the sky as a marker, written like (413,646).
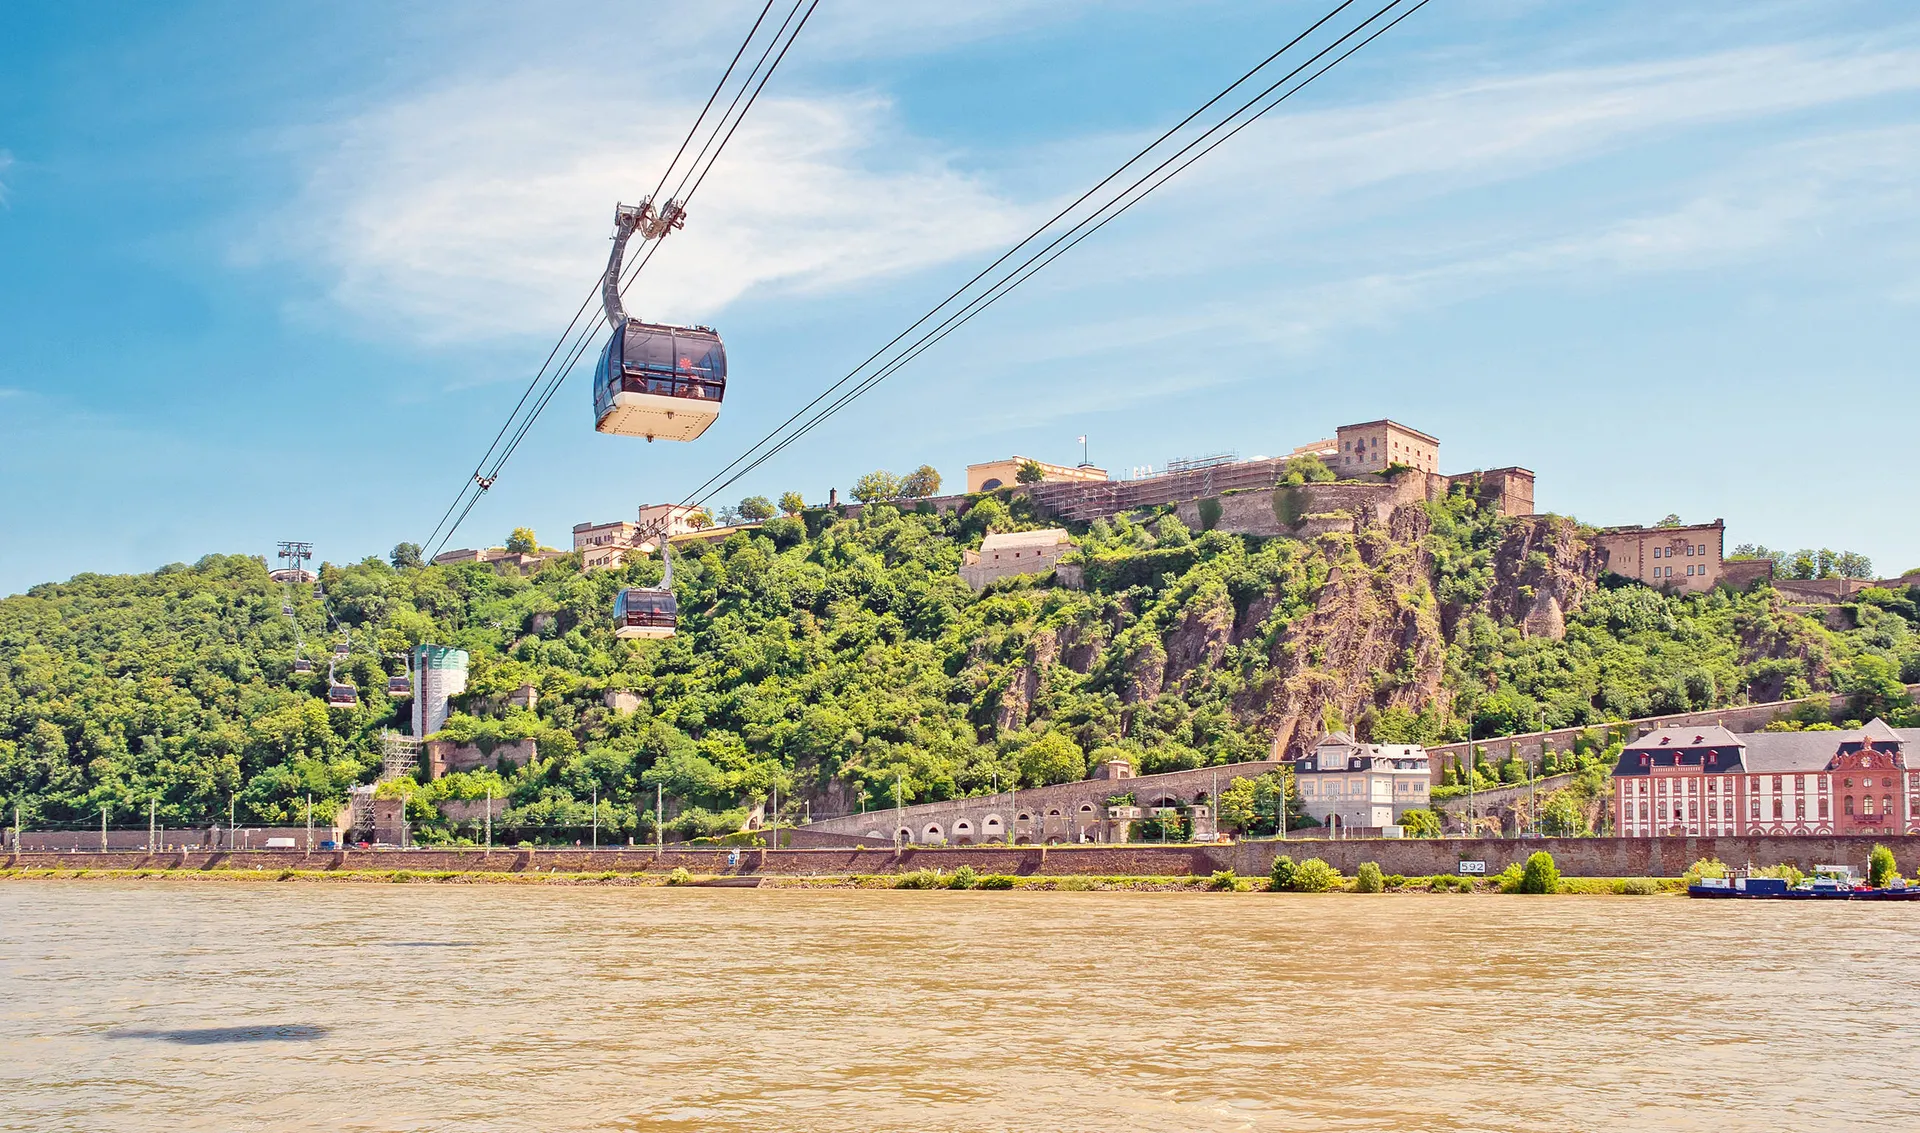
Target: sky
(280,271)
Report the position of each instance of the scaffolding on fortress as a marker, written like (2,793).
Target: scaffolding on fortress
(399,755)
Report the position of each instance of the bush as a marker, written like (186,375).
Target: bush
(1508,880)
(1315,876)
(995,881)
(917,879)
(1881,869)
(679,876)
(963,878)
(1540,874)
(1226,881)
(1636,887)
(1367,879)
(1705,867)
(1281,875)
(1790,874)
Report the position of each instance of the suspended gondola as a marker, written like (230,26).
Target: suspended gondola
(648,611)
(302,665)
(342,649)
(654,380)
(340,695)
(399,687)
(287,609)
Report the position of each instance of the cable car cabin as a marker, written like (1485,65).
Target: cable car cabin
(399,686)
(302,665)
(343,696)
(659,382)
(645,612)
(287,610)
(341,649)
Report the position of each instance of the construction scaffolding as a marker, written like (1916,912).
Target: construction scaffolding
(399,755)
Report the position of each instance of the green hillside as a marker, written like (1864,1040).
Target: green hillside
(828,656)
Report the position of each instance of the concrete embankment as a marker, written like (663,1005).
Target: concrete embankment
(1576,857)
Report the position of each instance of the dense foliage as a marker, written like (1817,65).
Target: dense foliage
(835,660)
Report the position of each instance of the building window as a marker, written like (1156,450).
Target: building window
(1823,809)
(1866,803)
(1848,805)
(1754,809)
(1656,552)
(1713,809)
(1800,808)
(1886,804)
(1643,812)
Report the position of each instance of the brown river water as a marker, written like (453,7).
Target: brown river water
(178,1006)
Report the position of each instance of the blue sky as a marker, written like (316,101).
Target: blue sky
(278,271)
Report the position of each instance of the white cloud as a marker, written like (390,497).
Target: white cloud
(484,210)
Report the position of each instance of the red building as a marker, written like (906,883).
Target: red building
(1706,781)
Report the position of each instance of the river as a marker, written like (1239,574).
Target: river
(181,1006)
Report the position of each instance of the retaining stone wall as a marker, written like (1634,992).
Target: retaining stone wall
(1576,857)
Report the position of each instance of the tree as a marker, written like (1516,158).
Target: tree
(698,520)
(922,482)
(1852,564)
(876,486)
(1306,469)
(1367,878)
(1420,823)
(522,541)
(1030,472)
(1669,520)
(1053,758)
(755,508)
(1880,867)
(405,556)
(792,503)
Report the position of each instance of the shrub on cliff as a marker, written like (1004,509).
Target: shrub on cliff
(1540,875)
(963,878)
(1367,878)
(1880,867)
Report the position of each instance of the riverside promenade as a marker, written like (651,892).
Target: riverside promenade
(1576,857)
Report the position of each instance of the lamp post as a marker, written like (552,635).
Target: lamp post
(596,816)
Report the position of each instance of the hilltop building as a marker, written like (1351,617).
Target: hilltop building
(1677,782)
(1017,552)
(1370,786)
(1006,473)
(1373,446)
(1685,558)
(667,519)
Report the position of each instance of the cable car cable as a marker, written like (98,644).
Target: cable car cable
(954,322)
(1030,237)
(998,290)
(533,384)
(581,341)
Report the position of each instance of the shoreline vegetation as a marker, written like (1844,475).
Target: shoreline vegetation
(911,879)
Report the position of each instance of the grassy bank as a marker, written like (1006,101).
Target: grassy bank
(916,879)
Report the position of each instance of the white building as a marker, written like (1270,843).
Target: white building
(1362,785)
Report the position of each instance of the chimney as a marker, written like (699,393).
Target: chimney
(833,497)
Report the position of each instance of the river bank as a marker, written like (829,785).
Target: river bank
(913,879)
(1585,858)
